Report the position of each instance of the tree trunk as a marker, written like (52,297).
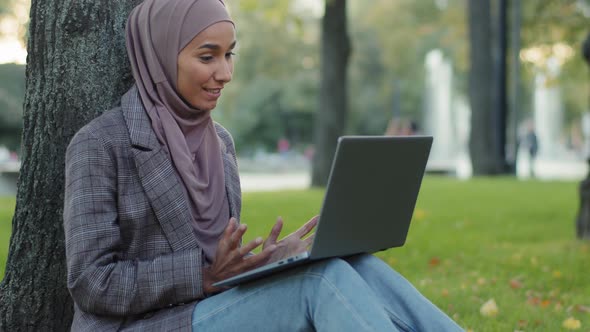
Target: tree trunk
(483,143)
(583,218)
(76,68)
(331,116)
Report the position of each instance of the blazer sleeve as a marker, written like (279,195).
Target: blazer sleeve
(99,280)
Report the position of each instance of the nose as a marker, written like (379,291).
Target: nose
(225,71)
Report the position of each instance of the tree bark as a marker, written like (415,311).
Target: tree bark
(77,68)
(483,143)
(331,116)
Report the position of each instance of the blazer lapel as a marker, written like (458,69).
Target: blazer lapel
(158,176)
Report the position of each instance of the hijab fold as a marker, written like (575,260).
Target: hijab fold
(156,32)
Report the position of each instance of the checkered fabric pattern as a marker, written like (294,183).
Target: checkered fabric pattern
(133,260)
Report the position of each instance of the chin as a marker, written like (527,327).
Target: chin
(204,106)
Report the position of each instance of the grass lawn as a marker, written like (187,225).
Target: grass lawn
(470,242)
(6,212)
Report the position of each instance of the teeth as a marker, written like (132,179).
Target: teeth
(214,90)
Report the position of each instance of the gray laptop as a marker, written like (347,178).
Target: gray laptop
(369,200)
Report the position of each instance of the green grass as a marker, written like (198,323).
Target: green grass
(467,243)
(503,239)
(6,212)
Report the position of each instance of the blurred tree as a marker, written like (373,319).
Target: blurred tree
(12,90)
(483,143)
(77,69)
(330,119)
(275,76)
(548,22)
(387,68)
(583,217)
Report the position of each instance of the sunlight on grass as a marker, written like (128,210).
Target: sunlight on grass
(470,242)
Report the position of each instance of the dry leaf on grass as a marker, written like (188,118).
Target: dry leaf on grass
(489,309)
(571,324)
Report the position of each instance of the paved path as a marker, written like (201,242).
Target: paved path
(274,181)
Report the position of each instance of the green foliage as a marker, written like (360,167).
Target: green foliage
(274,92)
(560,21)
(4,7)
(390,42)
(275,78)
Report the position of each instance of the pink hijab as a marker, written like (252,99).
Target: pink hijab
(157,31)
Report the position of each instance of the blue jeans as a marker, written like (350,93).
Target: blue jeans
(360,293)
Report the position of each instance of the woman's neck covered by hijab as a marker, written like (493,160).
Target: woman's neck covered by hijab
(156,32)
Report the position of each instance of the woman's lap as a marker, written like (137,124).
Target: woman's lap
(333,294)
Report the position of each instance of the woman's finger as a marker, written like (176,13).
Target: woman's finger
(237,235)
(227,233)
(307,227)
(245,249)
(274,233)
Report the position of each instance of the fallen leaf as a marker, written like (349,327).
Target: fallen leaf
(434,261)
(419,214)
(571,324)
(444,292)
(545,303)
(556,274)
(582,308)
(489,309)
(533,300)
(515,284)
(481,281)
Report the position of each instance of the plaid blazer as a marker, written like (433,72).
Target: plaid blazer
(133,260)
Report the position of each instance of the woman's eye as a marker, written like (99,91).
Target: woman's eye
(229,54)
(206,58)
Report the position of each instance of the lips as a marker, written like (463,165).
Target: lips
(212,94)
(213,91)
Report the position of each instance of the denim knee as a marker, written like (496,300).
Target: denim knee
(332,269)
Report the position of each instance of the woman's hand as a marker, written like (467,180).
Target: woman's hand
(231,259)
(293,243)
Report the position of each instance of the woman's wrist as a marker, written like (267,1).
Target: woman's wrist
(208,281)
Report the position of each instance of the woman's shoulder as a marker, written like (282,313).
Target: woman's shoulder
(107,127)
(224,135)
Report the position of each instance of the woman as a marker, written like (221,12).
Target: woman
(153,199)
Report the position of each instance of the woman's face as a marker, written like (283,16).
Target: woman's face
(205,65)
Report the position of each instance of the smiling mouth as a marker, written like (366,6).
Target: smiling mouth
(214,91)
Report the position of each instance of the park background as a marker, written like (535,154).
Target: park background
(493,239)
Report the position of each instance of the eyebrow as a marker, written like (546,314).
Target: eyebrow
(215,47)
